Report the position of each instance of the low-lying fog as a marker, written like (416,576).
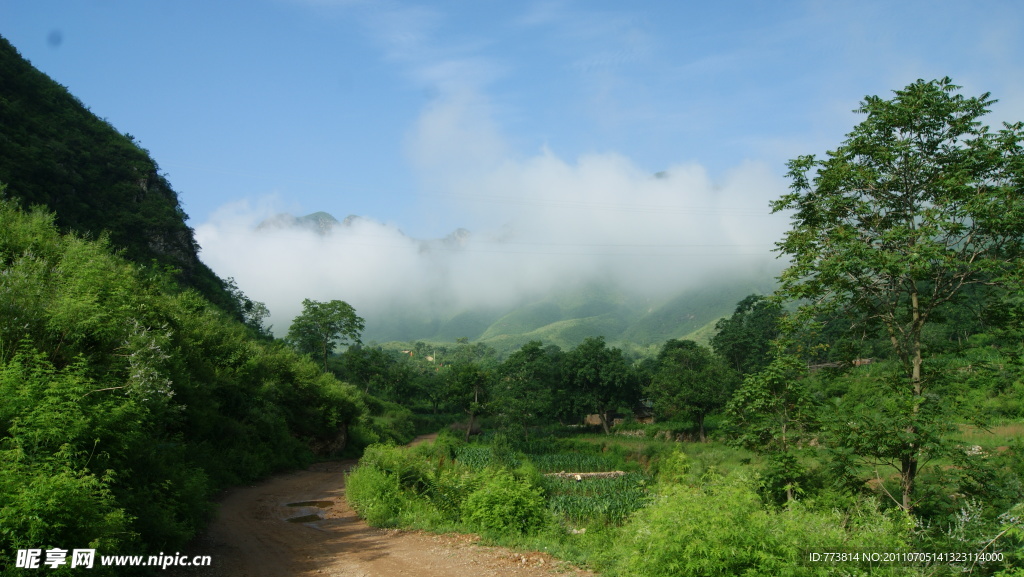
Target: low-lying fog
(535,224)
(548,225)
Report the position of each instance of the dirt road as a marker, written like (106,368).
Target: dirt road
(300,524)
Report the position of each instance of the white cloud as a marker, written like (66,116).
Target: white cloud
(553,224)
(538,222)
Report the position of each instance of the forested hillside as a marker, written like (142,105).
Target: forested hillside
(126,403)
(567,314)
(55,153)
(134,383)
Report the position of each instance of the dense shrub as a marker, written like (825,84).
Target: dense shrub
(375,495)
(127,402)
(504,504)
(449,488)
(723,528)
(409,471)
(400,486)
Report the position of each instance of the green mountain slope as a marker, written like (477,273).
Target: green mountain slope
(523,320)
(567,318)
(690,310)
(55,153)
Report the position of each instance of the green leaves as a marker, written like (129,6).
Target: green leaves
(722,528)
(123,407)
(919,192)
(600,378)
(744,339)
(323,326)
(919,203)
(772,412)
(690,382)
(506,505)
(524,391)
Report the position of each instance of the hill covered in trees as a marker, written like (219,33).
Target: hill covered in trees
(134,383)
(127,403)
(55,153)
(566,319)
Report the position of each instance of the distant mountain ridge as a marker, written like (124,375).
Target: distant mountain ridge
(323,224)
(319,222)
(565,317)
(619,318)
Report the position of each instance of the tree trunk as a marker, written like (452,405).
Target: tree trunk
(908,473)
(908,464)
(700,427)
(603,415)
(469,427)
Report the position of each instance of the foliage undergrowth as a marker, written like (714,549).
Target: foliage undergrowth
(127,402)
(700,514)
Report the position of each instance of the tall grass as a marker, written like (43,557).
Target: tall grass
(992,436)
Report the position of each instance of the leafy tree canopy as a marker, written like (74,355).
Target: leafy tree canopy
(600,378)
(691,381)
(744,339)
(920,201)
(323,326)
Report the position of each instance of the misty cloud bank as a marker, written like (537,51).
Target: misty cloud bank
(535,226)
(537,222)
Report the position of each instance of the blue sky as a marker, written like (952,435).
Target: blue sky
(510,119)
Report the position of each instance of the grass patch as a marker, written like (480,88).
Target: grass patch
(992,436)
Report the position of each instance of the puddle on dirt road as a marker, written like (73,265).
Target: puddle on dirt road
(320,504)
(309,518)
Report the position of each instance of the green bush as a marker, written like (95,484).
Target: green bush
(674,468)
(449,488)
(723,528)
(396,486)
(375,495)
(410,471)
(505,505)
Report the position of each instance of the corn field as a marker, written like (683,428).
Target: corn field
(597,500)
(573,462)
(594,500)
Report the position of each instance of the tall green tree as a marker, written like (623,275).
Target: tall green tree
(920,201)
(468,387)
(252,313)
(323,326)
(744,339)
(600,379)
(524,392)
(772,413)
(691,381)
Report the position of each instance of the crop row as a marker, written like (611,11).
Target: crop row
(605,500)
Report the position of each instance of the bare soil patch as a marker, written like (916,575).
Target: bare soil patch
(253,537)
